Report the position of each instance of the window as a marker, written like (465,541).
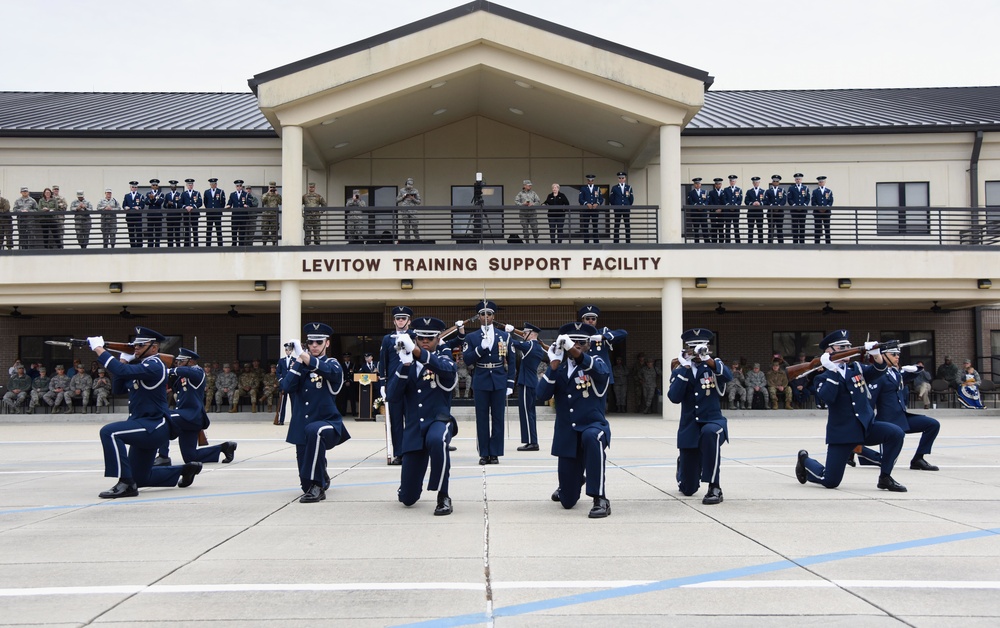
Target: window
(264,347)
(923,352)
(993,193)
(994,354)
(791,343)
(903,208)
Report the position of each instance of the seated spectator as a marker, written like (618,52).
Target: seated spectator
(922,385)
(970,375)
(968,391)
(756,382)
(949,372)
(801,390)
(79,388)
(777,386)
(18,388)
(737,388)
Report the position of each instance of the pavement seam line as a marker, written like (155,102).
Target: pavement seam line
(486,553)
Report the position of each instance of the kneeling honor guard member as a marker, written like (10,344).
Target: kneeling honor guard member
(577,382)
(697,384)
(423,381)
(146,428)
(189,416)
(313,382)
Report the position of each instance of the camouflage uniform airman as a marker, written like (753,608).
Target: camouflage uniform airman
(109,219)
(80,382)
(270,388)
(27,220)
(61,205)
(311,219)
(210,376)
(17,389)
(39,386)
(527,200)
(354,221)
(58,393)
(82,209)
(249,385)
(408,198)
(271,201)
(101,387)
(227,387)
(6,225)
(648,381)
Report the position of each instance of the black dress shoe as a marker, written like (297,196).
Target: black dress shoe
(889,484)
(556,496)
(494,460)
(919,464)
(122,489)
(396,460)
(484,460)
(326,480)
(851,462)
(227,448)
(601,509)
(800,466)
(452,448)
(713,496)
(161,461)
(188,472)
(313,495)
(528,447)
(443,506)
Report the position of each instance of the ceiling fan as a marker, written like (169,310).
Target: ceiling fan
(722,310)
(937,309)
(828,309)
(16,313)
(232,312)
(126,314)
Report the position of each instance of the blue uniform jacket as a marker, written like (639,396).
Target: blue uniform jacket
(532,354)
(146,384)
(237,200)
(850,411)
(314,391)
(214,199)
(388,359)
(755,196)
(618,196)
(889,397)
(590,197)
(697,392)
(602,348)
(425,402)
(774,196)
(732,195)
(697,197)
(192,198)
(152,200)
(796,197)
(499,376)
(579,401)
(715,197)
(132,202)
(190,389)
(822,197)
(282,366)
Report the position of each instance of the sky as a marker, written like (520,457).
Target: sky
(216,45)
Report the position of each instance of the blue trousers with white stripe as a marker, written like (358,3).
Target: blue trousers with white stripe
(526,410)
(702,463)
(831,474)
(144,437)
(435,451)
(320,436)
(590,458)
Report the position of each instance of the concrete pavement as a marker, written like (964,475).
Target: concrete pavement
(237,549)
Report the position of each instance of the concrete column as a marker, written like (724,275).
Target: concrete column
(670,184)
(672,306)
(291,311)
(291,189)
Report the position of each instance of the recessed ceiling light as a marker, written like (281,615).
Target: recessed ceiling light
(522,84)
(439,84)
(341,145)
(516,111)
(616,144)
(630,120)
(439,112)
(329,122)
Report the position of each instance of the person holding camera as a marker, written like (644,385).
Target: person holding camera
(354,221)
(408,198)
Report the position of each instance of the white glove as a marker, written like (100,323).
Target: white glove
(875,351)
(405,358)
(870,344)
(596,338)
(127,357)
(830,365)
(460,324)
(564,342)
(381,392)
(555,353)
(95,341)
(485,344)
(682,359)
(508,328)
(510,391)
(298,350)
(404,341)
(910,368)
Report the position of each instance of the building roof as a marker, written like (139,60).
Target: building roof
(765,112)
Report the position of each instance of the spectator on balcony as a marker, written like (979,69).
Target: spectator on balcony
(697,224)
(527,200)
(133,215)
(152,207)
(6,225)
(732,197)
(271,201)
(355,219)
(27,225)
(62,206)
(798,200)
(215,201)
(717,216)
(621,198)
(50,222)
(190,203)
(408,198)
(591,199)
(774,200)
(172,203)
(754,200)
(556,214)
(81,209)
(109,219)
(238,216)
(822,201)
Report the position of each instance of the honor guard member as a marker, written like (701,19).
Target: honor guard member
(577,382)
(716,213)
(408,198)
(238,215)
(284,401)
(152,206)
(313,381)
(774,200)
(108,208)
(754,200)
(133,215)
(215,201)
(190,203)
(311,217)
(39,387)
(82,223)
(698,384)
(732,198)
(487,350)
(189,417)
(697,221)
(146,428)
(423,381)
(591,199)
(602,344)
(844,388)
(532,354)
(271,201)
(822,201)
(621,198)
(172,205)
(798,200)
(388,359)
(889,397)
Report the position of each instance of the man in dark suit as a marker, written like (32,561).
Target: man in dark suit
(716,214)
(215,201)
(755,211)
(798,200)
(152,204)
(488,350)
(822,201)
(621,198)
(190,203)
(732,198)
(238,214)
(774,200)
(172,203)
(591,199)
(348,395)
(697,222)
(132,203)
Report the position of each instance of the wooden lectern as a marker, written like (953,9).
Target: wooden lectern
(365,395)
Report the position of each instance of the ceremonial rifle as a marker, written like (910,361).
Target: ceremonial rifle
(796,371)
(120,347)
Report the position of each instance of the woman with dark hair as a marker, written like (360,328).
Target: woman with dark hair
(49,223)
